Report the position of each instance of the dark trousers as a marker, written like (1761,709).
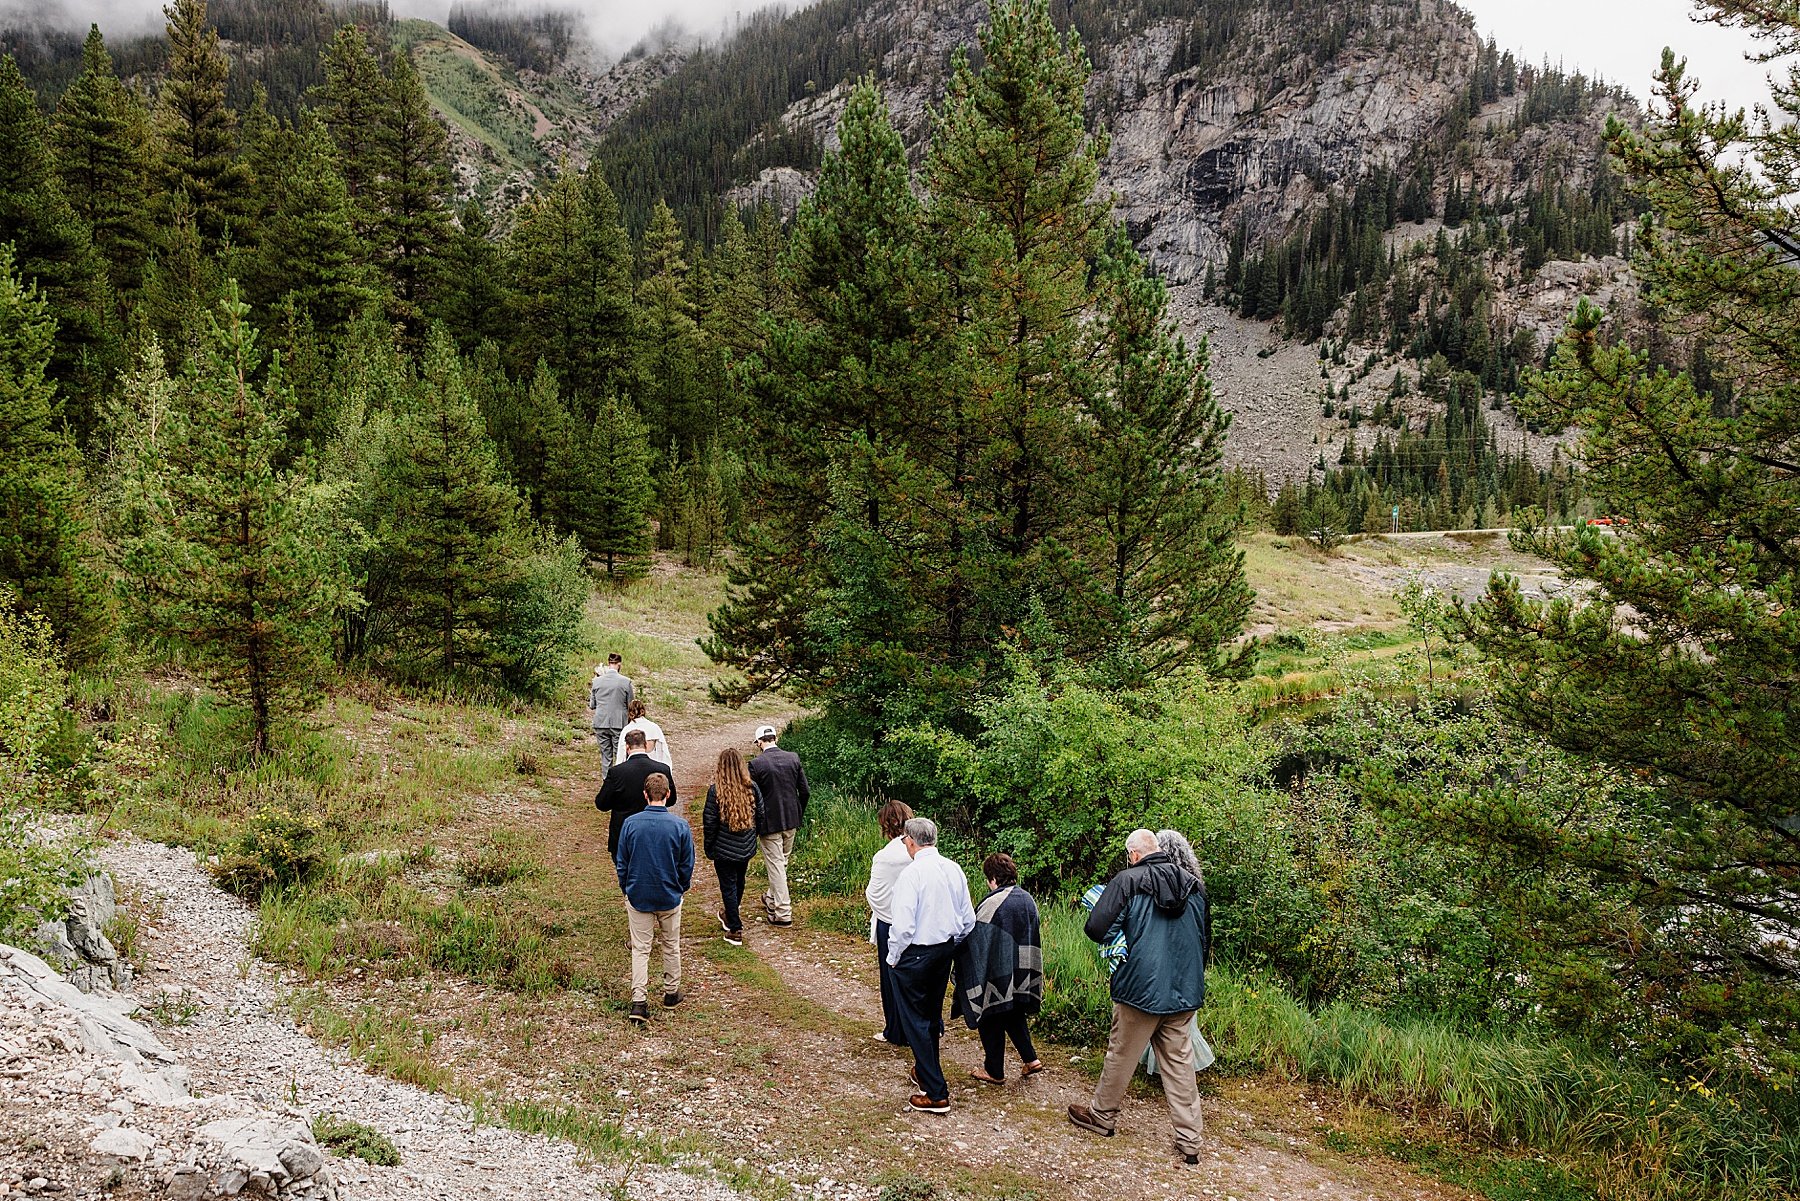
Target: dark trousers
(890,1001)
(919,982)
(731,888)
(995,1030)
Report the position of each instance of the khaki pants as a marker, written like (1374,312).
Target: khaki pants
(776,850)
(644,929)
(1167,1033)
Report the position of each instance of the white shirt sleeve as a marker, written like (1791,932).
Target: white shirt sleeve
(906,915)
(961,906)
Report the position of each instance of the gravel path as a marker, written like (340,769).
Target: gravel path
(243,1041)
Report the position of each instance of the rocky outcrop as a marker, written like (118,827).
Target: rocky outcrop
(108,1101)
(78,944)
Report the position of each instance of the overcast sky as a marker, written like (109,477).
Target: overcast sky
(1620,39)
(1624,39)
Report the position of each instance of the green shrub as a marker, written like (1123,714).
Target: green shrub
(277,849)
(499,860)
(535,644)
(35,872)
(348,1137)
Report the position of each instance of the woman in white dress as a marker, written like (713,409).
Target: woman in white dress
(654,740)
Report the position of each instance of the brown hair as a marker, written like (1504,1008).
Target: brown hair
(615,658)
(636,738)
(892,817)
(737,801)
(1000,868)
(656,788)
(635,709)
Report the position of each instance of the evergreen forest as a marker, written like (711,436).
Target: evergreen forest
(321,489)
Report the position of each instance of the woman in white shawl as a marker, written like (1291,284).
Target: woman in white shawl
(1175,845)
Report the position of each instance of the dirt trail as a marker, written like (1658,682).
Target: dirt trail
(835,1101)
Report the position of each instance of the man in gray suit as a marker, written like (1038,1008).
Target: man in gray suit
(609,696)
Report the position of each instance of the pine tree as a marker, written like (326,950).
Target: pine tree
(473,302)
(414,191)
(667,341)
(1153,581)
(101,134)
(183,284)
(307,255)
(198,130)
(44,531)
(1377,517)
(448,523)
(1324,521)
(570,271)
(52,248)
(604,491)
(1674,658)
(841,382)
(351,104)
(232,561)
(1012,175)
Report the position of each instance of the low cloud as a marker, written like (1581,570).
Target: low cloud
(614,25)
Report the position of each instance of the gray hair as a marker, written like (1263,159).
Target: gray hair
(923,831)
(1175,845)
(1142,841)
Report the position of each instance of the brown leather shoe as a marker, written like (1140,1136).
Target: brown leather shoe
(1028,1070)
(1084,1117)
(925,1104)
(981,1075)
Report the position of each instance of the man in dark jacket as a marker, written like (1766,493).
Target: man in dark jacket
(655,862)
(784,789)
(1162,911)
(622,792)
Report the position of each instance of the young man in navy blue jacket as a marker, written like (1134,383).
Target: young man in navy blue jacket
(655,862)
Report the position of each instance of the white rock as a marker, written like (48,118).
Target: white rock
(123,1143)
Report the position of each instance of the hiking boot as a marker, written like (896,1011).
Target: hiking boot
(734,938)
(671,999)
(640,1013)
(925,1104)
(1084,1117)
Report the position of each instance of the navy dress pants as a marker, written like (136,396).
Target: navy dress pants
(919,982)
(890,1001)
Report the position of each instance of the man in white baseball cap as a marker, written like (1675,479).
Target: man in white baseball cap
(778,774)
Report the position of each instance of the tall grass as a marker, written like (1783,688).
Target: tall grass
(1077,993)
(1640,1136)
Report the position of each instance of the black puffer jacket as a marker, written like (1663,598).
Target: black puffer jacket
(1163,912)
(722,843)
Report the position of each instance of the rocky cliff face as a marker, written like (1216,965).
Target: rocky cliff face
(1241,116)
(1254,133)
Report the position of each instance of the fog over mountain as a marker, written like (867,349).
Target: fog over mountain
(1619,39)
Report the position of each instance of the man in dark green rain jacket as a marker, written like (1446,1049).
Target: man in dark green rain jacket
(1161,910)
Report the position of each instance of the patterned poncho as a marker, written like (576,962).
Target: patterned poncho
(1000,965)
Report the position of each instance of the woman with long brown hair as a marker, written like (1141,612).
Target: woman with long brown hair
(734,807)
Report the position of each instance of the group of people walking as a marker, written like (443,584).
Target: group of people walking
(1149,921)
(750,808)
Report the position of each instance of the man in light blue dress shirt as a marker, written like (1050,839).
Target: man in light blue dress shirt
(932,913)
